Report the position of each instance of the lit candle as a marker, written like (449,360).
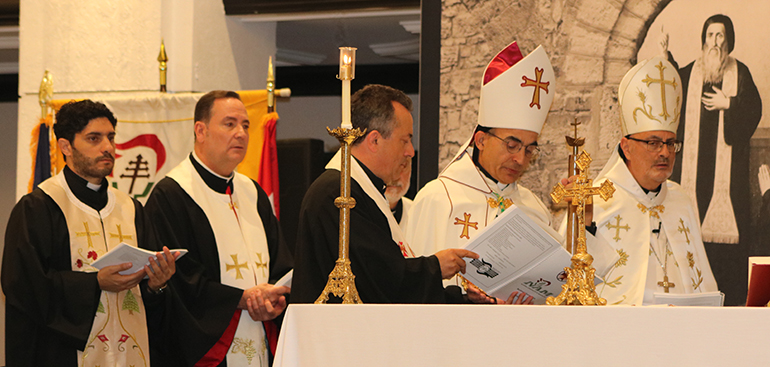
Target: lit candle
(347,73)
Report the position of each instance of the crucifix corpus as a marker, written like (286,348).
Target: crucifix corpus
(580,288)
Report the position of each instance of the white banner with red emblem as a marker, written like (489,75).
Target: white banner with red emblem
(155,133)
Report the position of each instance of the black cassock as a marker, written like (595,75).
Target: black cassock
(202,306)
(50,308)
(382,273)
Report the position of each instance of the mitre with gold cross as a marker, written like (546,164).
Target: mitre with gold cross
(517,91)
(650,97)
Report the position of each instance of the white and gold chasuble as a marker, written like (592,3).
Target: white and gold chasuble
(451,210)
(119,331)
(244,259)
(645,229)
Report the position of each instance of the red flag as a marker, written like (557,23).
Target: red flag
(268,168)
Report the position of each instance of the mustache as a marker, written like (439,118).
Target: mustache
(108,156)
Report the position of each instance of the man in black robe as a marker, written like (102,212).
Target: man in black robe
(199,205)
(720,112)
(52,292)
(384,267)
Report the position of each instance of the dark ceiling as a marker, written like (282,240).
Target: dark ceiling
(9,12)
(242,7)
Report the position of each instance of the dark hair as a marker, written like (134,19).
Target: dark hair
(729,30)
(204,105)
(74,116)
(371,108)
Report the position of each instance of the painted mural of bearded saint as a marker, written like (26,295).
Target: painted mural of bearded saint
(718,123)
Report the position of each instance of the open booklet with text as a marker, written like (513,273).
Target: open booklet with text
(518,253)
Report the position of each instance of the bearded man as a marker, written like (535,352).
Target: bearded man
(721,109)
(718,124)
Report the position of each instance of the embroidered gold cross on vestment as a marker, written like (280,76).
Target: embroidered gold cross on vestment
(466,223)
(88,234)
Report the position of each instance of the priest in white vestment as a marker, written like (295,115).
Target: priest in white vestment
(481,182)
(650,221)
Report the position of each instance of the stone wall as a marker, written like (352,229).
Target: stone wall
(592,43)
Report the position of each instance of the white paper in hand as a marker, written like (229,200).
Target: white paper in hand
(125,253)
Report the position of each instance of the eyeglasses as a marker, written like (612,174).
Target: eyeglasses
(514,146)
(656,145)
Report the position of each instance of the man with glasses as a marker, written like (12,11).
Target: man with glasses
(651,222)
(482,180)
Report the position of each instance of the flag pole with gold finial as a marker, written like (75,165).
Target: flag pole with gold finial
(163,60)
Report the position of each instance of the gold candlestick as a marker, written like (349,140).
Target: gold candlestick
(580,288)
(341,280)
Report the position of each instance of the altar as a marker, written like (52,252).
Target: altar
(467,335)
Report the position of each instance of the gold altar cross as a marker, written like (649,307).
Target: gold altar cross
(663,82)
(88,234)
(666,284)
(538,86)
(260,264)
(685,230)
(580,193)
(617,227)
(236,266)
(466,223)
(120,235)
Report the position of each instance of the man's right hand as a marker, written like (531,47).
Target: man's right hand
(451,261)
(264,301)
(110,279)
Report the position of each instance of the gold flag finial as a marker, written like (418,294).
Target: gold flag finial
(270,85)
(163,60)
(45,95)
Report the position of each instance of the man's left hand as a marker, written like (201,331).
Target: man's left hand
(266,301)
(715,101)
(162,267)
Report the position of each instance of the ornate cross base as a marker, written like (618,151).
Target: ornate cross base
(341,284)
(580,288)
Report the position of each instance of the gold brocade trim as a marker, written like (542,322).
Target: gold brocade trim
(698,279)
(501,202)
(236,266)
(617,227)
(261,264)
(653,210)
(245,347)
(684,229)
(466,223)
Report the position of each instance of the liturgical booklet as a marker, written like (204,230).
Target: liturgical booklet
(517,253)
(125,253)
(714,299)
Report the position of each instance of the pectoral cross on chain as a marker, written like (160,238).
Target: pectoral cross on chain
(666,284)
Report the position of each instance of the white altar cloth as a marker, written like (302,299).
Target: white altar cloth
(475,335)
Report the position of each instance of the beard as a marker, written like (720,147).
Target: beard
(89,166)
(714,61)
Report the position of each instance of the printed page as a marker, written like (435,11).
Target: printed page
(516,253)
(125,253)
(714,299)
